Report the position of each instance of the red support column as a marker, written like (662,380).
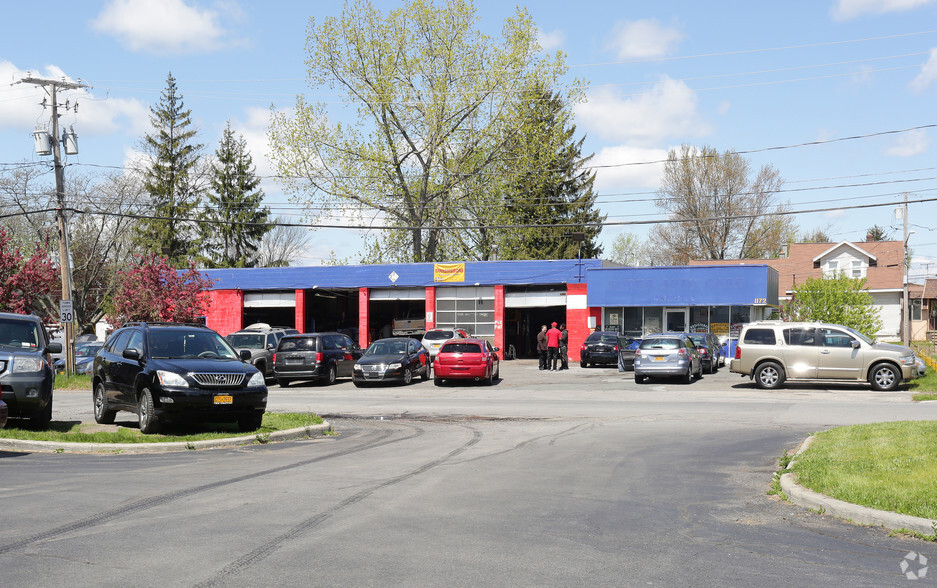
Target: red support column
(499,320)
(299,318)
(430,307)
(226,312)
(364,317)
(577,318)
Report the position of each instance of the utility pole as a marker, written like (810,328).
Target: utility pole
(52,87)
(905,316)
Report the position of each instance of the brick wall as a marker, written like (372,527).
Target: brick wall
(227,311)
(577,318)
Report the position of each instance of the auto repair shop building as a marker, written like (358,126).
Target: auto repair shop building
(502,301)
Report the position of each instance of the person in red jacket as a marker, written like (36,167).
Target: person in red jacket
(553,346)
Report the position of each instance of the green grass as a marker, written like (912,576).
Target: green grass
(73,382)
(888,466)
(925,387)
(70,432)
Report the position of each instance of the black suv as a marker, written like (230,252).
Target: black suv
(26,375)
(176,372)
(315,356)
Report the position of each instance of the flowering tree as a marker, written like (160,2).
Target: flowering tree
(154,291)
(25,280)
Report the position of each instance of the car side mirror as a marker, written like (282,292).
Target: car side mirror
(245,354)
(497,349)
(54,348)
(856,344)
(131,353)
(271,347)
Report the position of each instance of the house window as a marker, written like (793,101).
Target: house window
(831,267)
(915,309)
(857,269)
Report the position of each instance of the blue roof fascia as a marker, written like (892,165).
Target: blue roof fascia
(409,275)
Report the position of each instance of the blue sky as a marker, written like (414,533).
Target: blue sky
(839,95)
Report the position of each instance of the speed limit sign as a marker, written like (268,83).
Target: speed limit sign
(66,314)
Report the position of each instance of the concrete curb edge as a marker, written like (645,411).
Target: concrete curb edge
(860,514)
(21,446)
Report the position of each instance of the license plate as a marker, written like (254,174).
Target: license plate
(436,345)
(223,399)
(659,358)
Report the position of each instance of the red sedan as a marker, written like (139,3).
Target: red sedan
(467,359)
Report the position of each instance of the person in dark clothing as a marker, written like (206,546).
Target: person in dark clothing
(542,346)
(564,344)
(553,345)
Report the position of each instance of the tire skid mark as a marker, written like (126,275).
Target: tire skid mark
(154,501)
(268,548)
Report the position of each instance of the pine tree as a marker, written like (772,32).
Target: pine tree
(234,201)
(552,186)
(171,180)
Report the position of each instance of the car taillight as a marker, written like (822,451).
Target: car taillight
(637,352)
(274,360)
(319,357)
(738,353)
(703,351)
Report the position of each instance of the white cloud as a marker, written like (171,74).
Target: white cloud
(849,9)
(928,73)
(625,168)
(668,110)
(643,39)
(95,114)
(551,40)
(909,144)
(164,26)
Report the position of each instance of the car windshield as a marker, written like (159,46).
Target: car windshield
(387,348)
(438,335)
(298,344)
(186,344)
(247,340)
(699,340)
(860,336)
(16,333)
(460,348)
(87,350)
(661,344)
(604,339)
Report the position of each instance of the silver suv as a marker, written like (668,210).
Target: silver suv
(261,340)
(26,375)
(772,352)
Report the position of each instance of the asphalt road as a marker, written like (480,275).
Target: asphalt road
(574,478)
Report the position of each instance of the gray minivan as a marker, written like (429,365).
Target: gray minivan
(315,356)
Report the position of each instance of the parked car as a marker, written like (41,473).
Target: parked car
(168,372)
(599,348)
(397,359)
(667,354)
(626,350)
(314,356)
(710,350)
(261,340)
(26,375)
(467,359)
(4,413)
(434,339)
(84,357)
(921,366)
(774,352)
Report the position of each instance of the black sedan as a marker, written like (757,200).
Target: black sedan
(396,359)
(601,347)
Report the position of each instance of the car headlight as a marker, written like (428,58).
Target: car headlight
(394,366)
(22,365)
(171,379)
(357,368)
(906,360)
(256,380)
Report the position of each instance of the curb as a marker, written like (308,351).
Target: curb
(860,514)
(21,446)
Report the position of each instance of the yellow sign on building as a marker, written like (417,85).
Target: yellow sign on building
(449,272)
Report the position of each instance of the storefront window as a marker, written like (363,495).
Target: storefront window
(633,319)
(653,319)
(719,321)
(699,319)
(613,319)
(740,316)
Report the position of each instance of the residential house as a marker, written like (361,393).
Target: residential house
(881,263)
(923,310)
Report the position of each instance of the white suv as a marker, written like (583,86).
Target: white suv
(772,352)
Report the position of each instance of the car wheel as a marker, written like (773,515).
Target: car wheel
(146,412)
(885,377)
(425,375)
(250,423)
(699,372)
(283,382)
(688,376)
(41,419)
(437,381)
(407,376)
(583,364)
(102,414)
(638,379)
(769,375)
(331,376)
(490,380)
(712,366)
